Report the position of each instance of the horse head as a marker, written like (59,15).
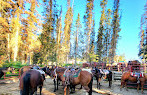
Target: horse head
(67,75)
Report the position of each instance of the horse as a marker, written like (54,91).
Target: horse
(58,73)
(29,81)
(83,77)
(99,73)
(128,77)
(49,71)
(3,70)
(24,69)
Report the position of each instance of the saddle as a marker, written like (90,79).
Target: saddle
(104,71)
(73,72)
(70,74)
(137,74)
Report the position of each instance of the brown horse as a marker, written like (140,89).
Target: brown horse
(84,78)
(128,77)
(24,69)
(58,76)
(29,82)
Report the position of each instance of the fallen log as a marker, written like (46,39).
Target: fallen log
(102,91)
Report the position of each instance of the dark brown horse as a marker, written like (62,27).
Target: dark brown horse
(24,69)
(84,78)
(3,70)
(128,77)
(29,81)
(99,73)
(56,73)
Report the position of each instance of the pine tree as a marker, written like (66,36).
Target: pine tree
(101,31)
(92,44)
(115,29)
(59,37)
(107,36)
(67,30)
(47,37)
(78,27)
(88,30)
(143,36)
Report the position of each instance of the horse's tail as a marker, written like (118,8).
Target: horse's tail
(26,84)
(90,85)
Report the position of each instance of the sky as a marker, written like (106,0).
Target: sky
(131,11)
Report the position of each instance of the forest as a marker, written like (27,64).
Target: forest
(28,37)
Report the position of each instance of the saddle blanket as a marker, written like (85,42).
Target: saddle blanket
(104,71)
(137,74)
(88,70)
(73,73)
(42,72)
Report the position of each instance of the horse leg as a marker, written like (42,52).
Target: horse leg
(32,92)
(90,86)
(142,87)
(110,83)
(126,85)
(20,92)
(54,85)
(40,89)
(81,87)
(110,79)
(86,88)
(98,83)
(122,84)
(138,87)
(65,90)
(57,83)
(72,87)
(35,90)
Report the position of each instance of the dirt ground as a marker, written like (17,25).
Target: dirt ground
(11,87)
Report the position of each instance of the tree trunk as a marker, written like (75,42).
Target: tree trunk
(16,43)
(8,48)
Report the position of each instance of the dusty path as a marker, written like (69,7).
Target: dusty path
(8,87)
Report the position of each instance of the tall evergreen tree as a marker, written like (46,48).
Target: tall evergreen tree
(143,36)
(59,37)
(92,54)
(67,30)
(101,31)
(115,29)
(107,36)
(78,27)
(88,30)
(46,38)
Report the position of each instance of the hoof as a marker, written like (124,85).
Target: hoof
(72,92)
